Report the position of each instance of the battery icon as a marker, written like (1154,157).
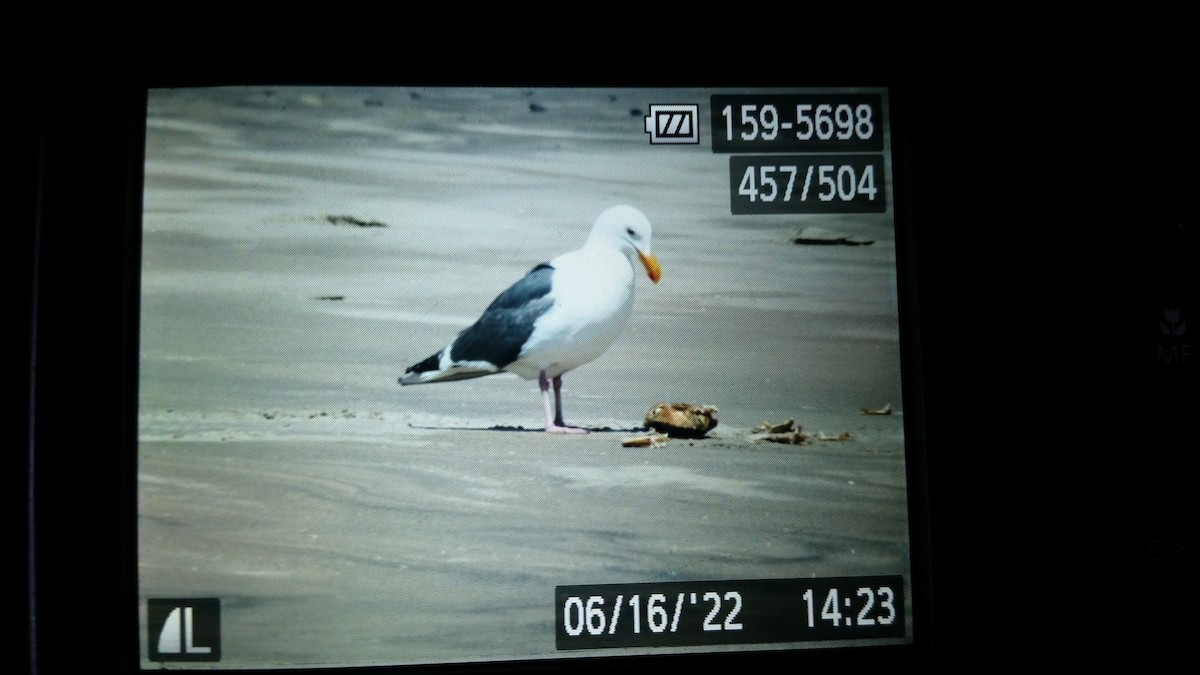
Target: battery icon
(673,123)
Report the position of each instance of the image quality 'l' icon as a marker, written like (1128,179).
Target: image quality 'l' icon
(184,629)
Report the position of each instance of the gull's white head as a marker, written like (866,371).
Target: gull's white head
(628,230)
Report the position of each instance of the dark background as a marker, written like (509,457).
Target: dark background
(1054,206)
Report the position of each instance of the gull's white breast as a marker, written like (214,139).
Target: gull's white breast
(593,289)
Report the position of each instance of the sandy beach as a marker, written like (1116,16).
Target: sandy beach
(301,247)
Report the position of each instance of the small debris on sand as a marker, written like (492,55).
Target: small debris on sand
(817,236)
(787,432)
(646,441)
(782,427)
(351,220)
(843,436)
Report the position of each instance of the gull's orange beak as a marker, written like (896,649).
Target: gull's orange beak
(651,265)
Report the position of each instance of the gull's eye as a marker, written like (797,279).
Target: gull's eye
(629,231)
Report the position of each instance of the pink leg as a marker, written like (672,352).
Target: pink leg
(554,423)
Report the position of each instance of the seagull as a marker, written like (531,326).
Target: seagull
(561,315)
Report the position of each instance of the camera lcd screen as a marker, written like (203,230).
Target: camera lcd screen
(435,375)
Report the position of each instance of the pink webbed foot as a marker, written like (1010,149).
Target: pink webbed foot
(563,429)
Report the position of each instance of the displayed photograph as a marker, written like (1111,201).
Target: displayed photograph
(439,375)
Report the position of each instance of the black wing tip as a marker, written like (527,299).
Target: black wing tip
(431,363)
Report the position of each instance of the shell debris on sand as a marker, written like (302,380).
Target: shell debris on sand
(843,436)
(682,420)
(791,433)
(785,432)
(645,441)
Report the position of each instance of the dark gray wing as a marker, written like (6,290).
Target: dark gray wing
(505,326)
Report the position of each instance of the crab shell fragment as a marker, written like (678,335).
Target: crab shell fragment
(682,420)
(645,441)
